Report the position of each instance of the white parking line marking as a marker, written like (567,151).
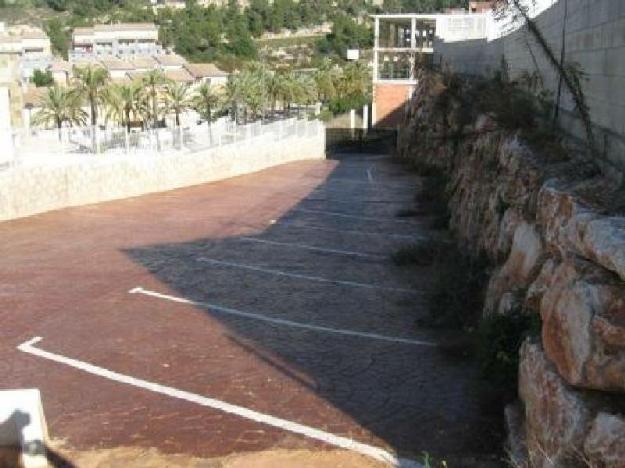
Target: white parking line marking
(369,174)
(377,184)
(313,248)
(304,277)
(356,193)
(412,237)
(343,442)
(364,218)
(282,322)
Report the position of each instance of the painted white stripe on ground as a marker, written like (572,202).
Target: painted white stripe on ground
(364,218)
(343,442)
(304,277)
(369,174)
(282,322)
(356,202)
(313,248)
(378,184)
(362,233)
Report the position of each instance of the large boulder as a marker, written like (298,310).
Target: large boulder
(508,284)
(541,285)
(556,416)
(571,227)
(583,314)
(605,444)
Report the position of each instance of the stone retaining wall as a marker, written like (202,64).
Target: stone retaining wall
(28,190)
(557,248)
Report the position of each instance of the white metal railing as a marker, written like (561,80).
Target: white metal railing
(53,146)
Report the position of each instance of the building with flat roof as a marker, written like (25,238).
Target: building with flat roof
(398,40)
(29,45)
(402,39)
(117,40)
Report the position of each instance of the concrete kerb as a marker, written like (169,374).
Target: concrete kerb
(23,426)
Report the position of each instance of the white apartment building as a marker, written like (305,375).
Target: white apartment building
(123,40)
(29,45)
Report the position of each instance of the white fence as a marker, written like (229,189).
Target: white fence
(36,146)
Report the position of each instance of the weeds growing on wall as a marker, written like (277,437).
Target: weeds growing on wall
(459,292)
(571,75)
(499,338)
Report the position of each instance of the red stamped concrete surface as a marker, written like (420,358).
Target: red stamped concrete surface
(66,277)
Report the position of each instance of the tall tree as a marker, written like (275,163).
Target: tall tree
(126,102)
(90,82)
(59,106)
(205,102)
(153,81)
(177,99)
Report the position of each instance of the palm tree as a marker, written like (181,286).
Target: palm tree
(90,82)
(205,101)
(177,99)
(153,80)
(259,80)
(125,102)
(285,89)
(355,81)
(326,79)
(233,96)
(305,91)
(59,106)
(274,87)
(251,90)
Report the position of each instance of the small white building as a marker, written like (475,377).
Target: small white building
(207,73)
(29,44)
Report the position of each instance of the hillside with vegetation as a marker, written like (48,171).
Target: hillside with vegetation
(235,39)
(227,35)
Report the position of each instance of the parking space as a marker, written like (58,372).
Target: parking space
(249,314)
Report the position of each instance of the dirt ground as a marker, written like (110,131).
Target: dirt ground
(133,457)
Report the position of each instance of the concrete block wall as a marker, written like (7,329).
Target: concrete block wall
(27,190)
(594,39)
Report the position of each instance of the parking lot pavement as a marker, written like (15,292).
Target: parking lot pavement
(236,316)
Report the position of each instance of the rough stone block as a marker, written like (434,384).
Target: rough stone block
(583,314)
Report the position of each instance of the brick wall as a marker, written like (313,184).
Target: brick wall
(389,101)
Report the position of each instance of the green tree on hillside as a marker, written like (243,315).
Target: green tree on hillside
(42,78)
(346,34)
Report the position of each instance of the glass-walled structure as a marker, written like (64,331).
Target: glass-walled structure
(398,41)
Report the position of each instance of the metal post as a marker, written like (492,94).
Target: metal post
(127,140)
(352,122)
(365,118)
(376,46)
(62,143)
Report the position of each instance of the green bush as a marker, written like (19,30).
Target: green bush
(499,338)
(417,254)
(326,115)
(342,104)
(458,294)
(42,78)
